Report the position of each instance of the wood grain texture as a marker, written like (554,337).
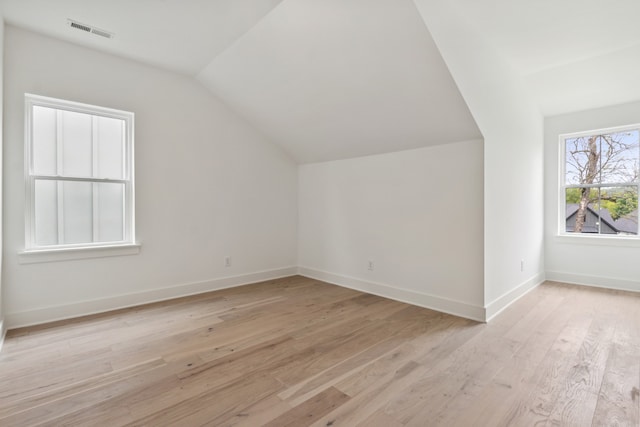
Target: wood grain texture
(298,352)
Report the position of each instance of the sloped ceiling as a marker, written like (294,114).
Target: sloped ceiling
(330,79)
(342,78)
(326,79)
(179,35)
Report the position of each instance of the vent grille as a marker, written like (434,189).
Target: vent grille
(80,27)
(89,29)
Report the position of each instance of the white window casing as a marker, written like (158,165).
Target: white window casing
(600,186)
(79,180)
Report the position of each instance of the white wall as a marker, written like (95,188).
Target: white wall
(416,214)
(207,186)
(512,128)
(587,261)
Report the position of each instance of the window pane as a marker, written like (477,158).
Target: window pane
(582,160)
(600,159)
(110,212)
(608,210)
(46,213)
(619,210)
(76,144)
(45,155)
(110,135)
(77,202)
(585,220)
(619,157)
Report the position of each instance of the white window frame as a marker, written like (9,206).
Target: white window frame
(93,249)
(593,238)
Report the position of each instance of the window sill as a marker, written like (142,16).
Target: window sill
(67,254)
(621,242)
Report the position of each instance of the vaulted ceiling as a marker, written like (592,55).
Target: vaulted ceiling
(330,79)
(337,78)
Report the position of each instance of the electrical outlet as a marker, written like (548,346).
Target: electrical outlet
(370,267)
(227,261)
(521,265)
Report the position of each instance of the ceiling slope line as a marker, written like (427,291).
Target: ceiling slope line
(197,74)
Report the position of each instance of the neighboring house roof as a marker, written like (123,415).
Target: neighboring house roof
(627,224)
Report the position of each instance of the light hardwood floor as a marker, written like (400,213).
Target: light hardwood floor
(297,352)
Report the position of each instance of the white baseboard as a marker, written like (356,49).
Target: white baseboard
(444,305)
(3,333)
(83,308)
(501,303)
(597,281)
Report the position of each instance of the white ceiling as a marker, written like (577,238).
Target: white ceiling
(331,79)
(327,81)
(180,35)
(574,54)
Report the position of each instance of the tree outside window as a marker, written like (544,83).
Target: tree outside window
(601,182)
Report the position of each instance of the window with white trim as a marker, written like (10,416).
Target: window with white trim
(79,175)
(599,182)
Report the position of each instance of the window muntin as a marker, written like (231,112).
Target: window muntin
(79,175)
(599,182)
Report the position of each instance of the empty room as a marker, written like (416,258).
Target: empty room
(320,213)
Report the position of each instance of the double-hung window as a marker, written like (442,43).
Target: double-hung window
(599,182)
(79,175)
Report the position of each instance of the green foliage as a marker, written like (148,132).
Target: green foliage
(619,202)
(624,205)
(573,195)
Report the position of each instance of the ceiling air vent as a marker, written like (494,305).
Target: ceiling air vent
(89,29)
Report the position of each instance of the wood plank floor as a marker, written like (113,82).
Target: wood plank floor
(298,352)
